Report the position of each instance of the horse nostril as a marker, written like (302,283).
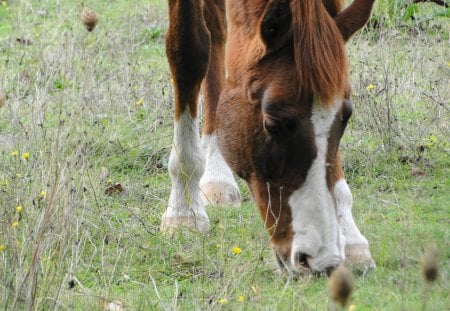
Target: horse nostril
(330,270)
(302,260)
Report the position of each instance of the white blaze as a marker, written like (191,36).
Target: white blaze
(314,219)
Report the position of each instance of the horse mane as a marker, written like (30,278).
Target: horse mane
(319,51)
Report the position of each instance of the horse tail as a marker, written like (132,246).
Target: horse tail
(319,51)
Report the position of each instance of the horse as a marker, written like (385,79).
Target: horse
(273,75)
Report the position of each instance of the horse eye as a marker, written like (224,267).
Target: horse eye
(347,110)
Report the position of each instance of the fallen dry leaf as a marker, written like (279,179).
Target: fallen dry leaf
(116,189)
(415,171)
(24,41)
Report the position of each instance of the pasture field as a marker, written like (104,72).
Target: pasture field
(85,133)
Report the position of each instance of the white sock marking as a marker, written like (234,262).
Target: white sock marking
(217,171)
(186,166)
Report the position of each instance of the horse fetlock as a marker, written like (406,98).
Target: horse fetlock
(217,192)
(359,258)
(217,185)
(171,223)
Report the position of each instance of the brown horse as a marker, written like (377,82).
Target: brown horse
(276,105)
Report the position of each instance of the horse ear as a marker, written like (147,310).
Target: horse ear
(354,17)
(275,24)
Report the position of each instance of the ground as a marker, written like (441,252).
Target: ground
(85,134)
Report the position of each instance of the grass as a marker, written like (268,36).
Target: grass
(85,103)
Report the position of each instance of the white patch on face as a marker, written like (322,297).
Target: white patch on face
(356,245)
(314,219)
(186,166)
(217,183)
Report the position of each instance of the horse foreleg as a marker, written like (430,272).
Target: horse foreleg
(357,251)
(188,46)
(217,184)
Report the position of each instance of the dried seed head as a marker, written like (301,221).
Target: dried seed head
(430,261)
(2,98)
(341,285)
(89,18)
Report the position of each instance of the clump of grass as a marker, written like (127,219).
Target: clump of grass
(77,103)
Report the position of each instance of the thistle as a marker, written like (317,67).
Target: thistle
(341,285)
(89,18)
(430,268)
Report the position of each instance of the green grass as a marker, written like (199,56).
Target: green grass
(74,103)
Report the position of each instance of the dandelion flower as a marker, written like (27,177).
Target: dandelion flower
(222,301)
(15,153)
(19,209)
(370,87)
(26,155)
(15,224)
(236,250)
(352,308)
(241,298)
(4,183)
(2,247)
(140,102)
(42,194)
(89,18)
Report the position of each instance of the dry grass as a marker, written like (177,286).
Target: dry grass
(79,101)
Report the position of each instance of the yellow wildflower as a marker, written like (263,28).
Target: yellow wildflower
(236,250)
(15,153)
(370,87)
(2,247)
(19,209)
(15,224)
(241,298)
(26,155)
(42,194)
(352,308)
(4,183)
(140,102)
(222,301)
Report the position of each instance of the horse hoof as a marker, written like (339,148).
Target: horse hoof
(213,193)
(358,257)
(170,224)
